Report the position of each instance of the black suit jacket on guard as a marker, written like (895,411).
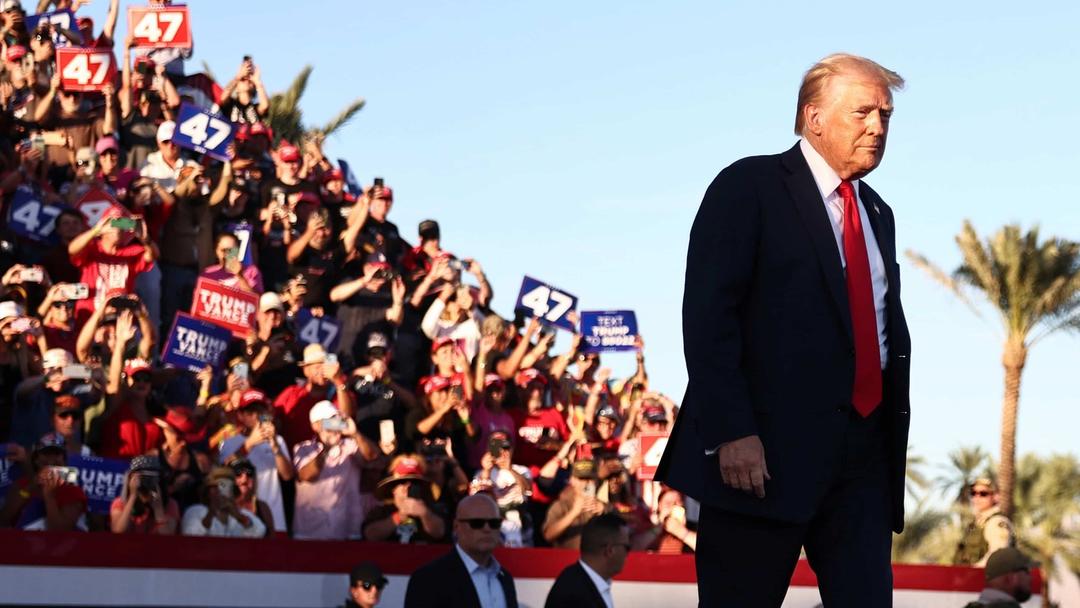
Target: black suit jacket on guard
(445,583)
(574,589)
(768,341)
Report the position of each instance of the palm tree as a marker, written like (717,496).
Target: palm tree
(286,118)
(966,464)
(1035,288)
(1048,514)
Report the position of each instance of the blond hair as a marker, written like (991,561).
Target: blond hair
(817,78)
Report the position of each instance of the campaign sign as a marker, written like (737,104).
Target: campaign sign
(547,303)
(323,330)
(160,26)
(608,330)
(351,183)
(204,132)
(193,344)
(652,449)
(233,309)
(242,231)
(95,203)
(29,217)
(9,471)
(102,479)
(85,69)
(60,20)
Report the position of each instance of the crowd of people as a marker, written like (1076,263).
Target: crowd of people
(427,397)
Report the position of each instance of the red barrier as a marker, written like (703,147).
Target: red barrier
(103,550)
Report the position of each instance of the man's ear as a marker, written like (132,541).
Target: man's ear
(812,119)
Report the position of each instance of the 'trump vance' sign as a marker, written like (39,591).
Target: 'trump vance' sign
(233,309)
(193,344)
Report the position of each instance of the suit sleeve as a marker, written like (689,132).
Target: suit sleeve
(719,271)
(416,593)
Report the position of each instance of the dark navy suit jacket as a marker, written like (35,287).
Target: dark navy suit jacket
(768,341)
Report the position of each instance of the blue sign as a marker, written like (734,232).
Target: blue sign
(609,330)
(60,20)
(243,232)
(351,183)
(101,479)
(322,330)
(9,472)
(193,343)
(203,132)
(30,217)
(549,304)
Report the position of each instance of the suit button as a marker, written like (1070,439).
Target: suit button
(843,408)
(851,352)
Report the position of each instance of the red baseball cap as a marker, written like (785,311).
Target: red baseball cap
(309,197)
(386,193)
(135,366)
(259,128)
(439,343)
(85,22)
(654,413)
(333,175)
(527,376)
(253,396)
(288,153)
(15,52)
(491,380)
(436,383)
(180,420)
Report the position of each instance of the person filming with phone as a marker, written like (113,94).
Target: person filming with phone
(218,514)
(261,444)
(409,515)
(328,469)
(109,256)
(49,498)
(230,269)
(143,507)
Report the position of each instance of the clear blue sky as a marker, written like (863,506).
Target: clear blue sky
(573,141)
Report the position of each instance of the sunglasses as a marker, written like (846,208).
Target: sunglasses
(478,523)
(68,414)
(64,304)
(981,493)
(367,585)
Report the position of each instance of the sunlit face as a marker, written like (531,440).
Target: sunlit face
(365,594)
(245,483)
(62,312)
(848,126)
(534,393)
(224,244)
(139,384)
(379,209)
(983,497)
(486,538)
(67,422)
(110,161)
(605,428)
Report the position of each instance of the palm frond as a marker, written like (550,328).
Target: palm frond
(343,117)
(923,263)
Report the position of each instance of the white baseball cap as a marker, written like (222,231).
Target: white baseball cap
(10,309)
(323,410)
(55,358)
(270,301)
(166,130)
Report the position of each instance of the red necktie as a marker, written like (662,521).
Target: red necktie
(866,394)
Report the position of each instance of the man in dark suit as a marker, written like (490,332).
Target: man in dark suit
(793,431)
(605,542)
(468,576)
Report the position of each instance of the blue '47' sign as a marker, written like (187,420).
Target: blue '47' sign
(549,304)
(203,132)
(30,217)
(318,330)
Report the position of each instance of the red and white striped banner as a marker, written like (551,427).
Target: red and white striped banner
(98,569)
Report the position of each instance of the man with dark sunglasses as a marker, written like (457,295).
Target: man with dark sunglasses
(366,583)
(987,530)
(469,576)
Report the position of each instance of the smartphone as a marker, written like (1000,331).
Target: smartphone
(123,223)
(31,275)
(416,491)
(66,474)
(331,358)
(386,431)
(334,424)
(378,182)
(241,370)
(590,489)
(225,487)
(148,481)
(679,513)
(457,391)
(247,58)
(74,291)
(75,372)
(21,324)
(232,253)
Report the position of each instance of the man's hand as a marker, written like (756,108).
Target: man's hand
(742,465)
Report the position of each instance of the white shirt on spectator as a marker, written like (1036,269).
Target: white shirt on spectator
(192,524)
(508,495)
(435,327)
(267,484)
(486,580)
(158,170)
(603,585)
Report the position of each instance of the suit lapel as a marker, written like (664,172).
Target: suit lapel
(882,234)
(804,192)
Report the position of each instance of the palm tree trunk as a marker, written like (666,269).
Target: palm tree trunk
(1013,360)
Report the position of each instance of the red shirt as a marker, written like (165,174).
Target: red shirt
(103,271)
(292,407)
(56,337)
(123,436)
(533,429)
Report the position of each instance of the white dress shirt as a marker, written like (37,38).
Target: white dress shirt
(827,181)
(603,585)
(485,579)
